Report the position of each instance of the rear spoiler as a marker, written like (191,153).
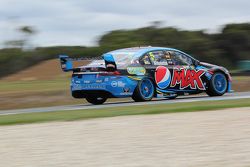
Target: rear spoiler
(67,62)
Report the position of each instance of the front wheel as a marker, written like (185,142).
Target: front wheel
(96,99)
(144,91)
(217,85)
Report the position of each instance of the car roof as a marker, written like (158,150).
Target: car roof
(139,51)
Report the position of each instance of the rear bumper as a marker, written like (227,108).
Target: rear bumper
(85,93)
(110,86)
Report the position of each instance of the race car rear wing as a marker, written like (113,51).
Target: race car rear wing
(67,62)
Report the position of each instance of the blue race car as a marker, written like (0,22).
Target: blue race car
(143,73)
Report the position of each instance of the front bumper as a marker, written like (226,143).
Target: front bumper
(229,87)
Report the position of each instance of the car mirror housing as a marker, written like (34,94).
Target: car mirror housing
(196,62)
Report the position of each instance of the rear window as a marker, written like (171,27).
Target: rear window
(123,59)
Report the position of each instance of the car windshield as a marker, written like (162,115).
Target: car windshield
(123,59)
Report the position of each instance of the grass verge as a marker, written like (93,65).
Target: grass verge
(120,111)
(34,86)
(56,91)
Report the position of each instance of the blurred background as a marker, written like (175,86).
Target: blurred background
(34,33)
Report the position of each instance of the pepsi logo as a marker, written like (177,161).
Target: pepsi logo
(162,77)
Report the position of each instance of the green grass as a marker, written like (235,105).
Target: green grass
(120,111)
(21,94)
(60,83)
(34,86)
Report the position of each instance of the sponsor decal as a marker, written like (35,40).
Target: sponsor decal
(86,81)
(117,84)
(134,78)
(162,77)
(136,70)
(76,86)
(114,84)
(187,78)
(161,63)
(126,90)
(120,84)
(93,86)
(126,93)
(87,86)
(98,81)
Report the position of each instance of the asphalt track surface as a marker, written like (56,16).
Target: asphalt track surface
(199,139)
(181,99)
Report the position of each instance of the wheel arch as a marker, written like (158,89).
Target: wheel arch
(148,77)
(138,95)
(222,71)
(228,77)
(154,83)
(211,90)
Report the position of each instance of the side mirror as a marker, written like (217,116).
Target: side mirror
(196,62)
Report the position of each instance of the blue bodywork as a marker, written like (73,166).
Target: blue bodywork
(117,86)
(123,85)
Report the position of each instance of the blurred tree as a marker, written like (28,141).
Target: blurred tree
(235,41)
(224,48)
(24,42)
(27,29)
(28,32)
(14,43)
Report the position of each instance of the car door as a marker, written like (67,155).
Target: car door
(172,70)
(184,75)
(159,67)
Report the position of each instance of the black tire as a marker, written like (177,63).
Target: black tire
(213,88)
(96,99)
(138,94)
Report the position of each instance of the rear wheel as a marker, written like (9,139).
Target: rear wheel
(217,85)
(96,99)
(144,90)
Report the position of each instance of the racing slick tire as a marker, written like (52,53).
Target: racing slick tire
(96,99)
(144,90)
(217,85)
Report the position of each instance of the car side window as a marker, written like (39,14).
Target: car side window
(145,60)
(180,59)
(158,57)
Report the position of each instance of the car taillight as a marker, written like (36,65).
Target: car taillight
(105,73)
